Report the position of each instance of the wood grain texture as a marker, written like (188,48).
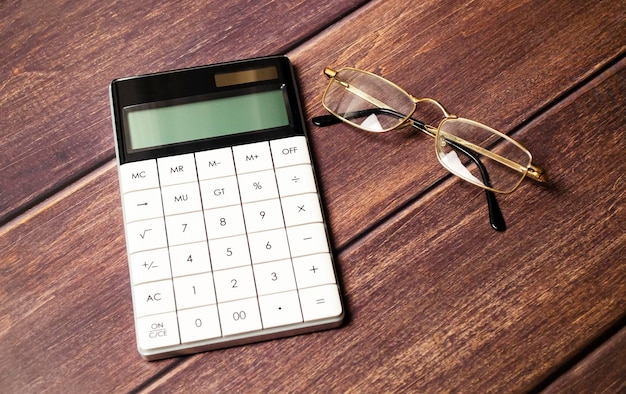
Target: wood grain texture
(602,372)
(437,301)
(440,303)
(499,63)
(59,58)
(66,315)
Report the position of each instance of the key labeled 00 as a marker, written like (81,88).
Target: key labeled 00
(241,315)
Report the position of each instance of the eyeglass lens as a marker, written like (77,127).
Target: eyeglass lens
(367,101)
(497,160)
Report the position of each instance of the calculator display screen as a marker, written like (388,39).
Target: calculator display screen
(172,124)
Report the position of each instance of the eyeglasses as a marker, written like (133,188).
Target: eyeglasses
(470,150)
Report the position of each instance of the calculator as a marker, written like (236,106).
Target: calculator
(226,236)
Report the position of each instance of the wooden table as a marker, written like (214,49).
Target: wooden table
(437,300)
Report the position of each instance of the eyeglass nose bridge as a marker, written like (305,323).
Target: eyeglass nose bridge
(446,114)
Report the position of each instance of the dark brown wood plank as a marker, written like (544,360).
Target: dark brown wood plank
(603,371)
(496,62)
(58,60)
(423,317)
(440,303)
(67,320)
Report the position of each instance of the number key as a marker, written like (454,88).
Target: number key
(224,222)
(190,259)
(193,291)
(234,284)
(229,252)
(263,215)
(185,228)
(274,277)
(268,246)
(199,323)
(240,316)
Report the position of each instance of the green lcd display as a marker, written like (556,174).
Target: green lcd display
(166,125)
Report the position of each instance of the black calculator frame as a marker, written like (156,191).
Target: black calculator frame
(198,84)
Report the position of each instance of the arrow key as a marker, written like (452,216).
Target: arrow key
(144,204)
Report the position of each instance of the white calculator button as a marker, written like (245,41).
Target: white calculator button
(280,309)
(290,151)
(138,175)
(302,209)
(215,163)
(193,291)
(258,186)
(181,198)
(263,215)
(274,277)
(185,228)
(219,192)
(314,270)
(240,316)
(145,235)
(190,259)
(252,157)
(234,284)
(154,297)
(157,331)
(199,323)
(177,169)
(295,180)
(150,266)
(320,302)
(307,239)
(229,252)
(224,222)
(143,204)
(268,246)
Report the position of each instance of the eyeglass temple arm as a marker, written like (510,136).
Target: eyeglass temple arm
(495,214)
(329,120)
(325,120)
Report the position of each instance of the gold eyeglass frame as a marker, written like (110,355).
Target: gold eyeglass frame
(532,171)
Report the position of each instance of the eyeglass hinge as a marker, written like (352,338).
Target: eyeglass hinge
(537,173)
(329,72)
